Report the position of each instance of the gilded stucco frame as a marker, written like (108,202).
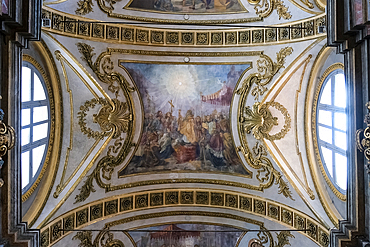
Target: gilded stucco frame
(50,92)
(51,164)
(327,72)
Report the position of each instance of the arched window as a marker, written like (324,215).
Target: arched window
(35,124)
(332,128)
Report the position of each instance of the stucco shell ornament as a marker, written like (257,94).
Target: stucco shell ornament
(114,118)
(110,118)
(259,121)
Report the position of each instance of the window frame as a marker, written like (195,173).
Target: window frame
(330,179)
(35,68)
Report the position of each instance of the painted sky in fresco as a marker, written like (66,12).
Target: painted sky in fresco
(186,125)
(189,6)
(183,84)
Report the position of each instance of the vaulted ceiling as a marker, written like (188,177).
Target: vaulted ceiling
(185,115)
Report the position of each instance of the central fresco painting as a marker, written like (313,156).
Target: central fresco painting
(186,235)
(188,6)
(186,125)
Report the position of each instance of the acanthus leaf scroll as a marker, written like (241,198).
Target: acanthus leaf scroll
(114,118)
(264,8)
(259,121)
(363,138)
(85,6)
(7,140)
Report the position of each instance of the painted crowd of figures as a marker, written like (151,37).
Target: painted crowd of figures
(187,138)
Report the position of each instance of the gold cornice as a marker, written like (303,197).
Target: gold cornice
(139,35)
(313,126)
(187,54)
(282,209)
(199,22)
(36,208)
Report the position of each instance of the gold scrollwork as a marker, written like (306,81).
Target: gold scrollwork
(109,118)
(266,173)
(264,8)
(85,237)
(7,139)
(104,239)
(283,238)
(266,70)
(114,117)
(85,6)
(363,143)
(260,120)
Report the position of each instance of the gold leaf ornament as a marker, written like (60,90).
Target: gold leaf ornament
(264,8)
(113,118)
(260,121)
(84,7)
(283,238)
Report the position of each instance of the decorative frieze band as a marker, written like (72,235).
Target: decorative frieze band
(81,217)
(120,33)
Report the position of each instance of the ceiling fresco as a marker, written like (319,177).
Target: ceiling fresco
(177,133)
(202,7)
(186,124)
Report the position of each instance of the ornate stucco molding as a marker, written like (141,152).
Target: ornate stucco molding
(77,26)
(363,138)
(122,208)
(259,121)
(114,117)
(7,140)
(136,202)
(264,8)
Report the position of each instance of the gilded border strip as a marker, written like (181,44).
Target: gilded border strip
(83,216)
(129,34)
(326,73)
(48,84)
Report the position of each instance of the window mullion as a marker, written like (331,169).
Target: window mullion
(35,144)
(332,124)
(31,105)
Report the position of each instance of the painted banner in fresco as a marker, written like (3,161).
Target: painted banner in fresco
(189,6)
(187,125)
(186,235)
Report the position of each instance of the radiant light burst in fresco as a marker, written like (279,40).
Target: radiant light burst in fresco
(186,124)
